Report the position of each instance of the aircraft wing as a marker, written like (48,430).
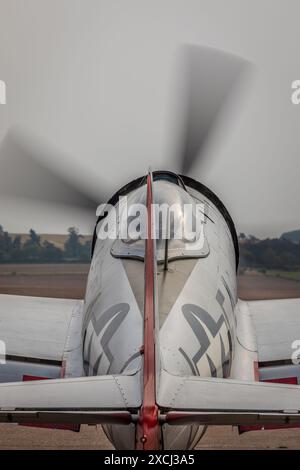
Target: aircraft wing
(42,338)
(268,341)
(107,399)
(39,337)
(276,327)
(188,400)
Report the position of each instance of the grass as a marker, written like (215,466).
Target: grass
(292,275)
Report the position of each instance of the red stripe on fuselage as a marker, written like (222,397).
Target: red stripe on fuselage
(148,429)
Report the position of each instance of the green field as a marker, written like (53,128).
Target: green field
(292,275)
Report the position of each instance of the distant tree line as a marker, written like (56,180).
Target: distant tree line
(274,253)
(33,250)
(269,253)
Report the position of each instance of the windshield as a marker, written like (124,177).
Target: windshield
(178,219)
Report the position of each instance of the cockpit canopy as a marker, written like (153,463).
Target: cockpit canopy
(178,228)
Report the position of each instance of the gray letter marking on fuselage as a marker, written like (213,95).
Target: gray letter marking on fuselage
(115,315)
(192,313)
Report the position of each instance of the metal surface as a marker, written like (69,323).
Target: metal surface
(213,394)
(277,326)
(66,417)
(148,429)
(106,392)
(51,319)
(214,418)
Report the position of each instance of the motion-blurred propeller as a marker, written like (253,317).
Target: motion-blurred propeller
(209,84)
(32,169)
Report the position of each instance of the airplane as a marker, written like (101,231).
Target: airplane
(160,348)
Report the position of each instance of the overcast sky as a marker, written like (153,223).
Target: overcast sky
(94,79)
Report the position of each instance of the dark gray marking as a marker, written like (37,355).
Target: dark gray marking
(212,367)
(192,367)
(225,359)
(134,356)
(231,298)
(86,367)
(220,299)
(211,324)
(198,331)
(116,314)
(89,311)
(229,341)
(86,362)
(96,365)
(192,435)
(100,320)
(190,311)
(119,311)
(229,293)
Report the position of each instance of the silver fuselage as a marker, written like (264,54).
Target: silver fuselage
(196,297)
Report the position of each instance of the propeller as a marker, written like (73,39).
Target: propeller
(209,85)
(32,169)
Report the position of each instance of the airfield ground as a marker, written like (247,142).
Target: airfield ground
(67,280)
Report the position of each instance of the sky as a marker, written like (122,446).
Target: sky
(95,81)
